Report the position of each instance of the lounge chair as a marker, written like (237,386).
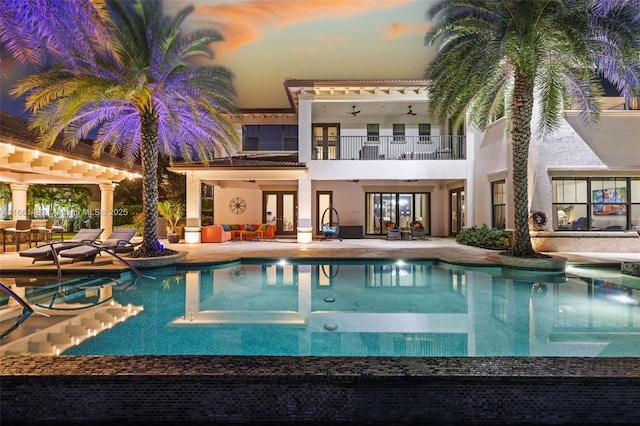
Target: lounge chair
(48,251)
(417,230)
(393,232)
(118,242)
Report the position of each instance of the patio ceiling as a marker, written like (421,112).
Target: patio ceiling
(22,161)
(401,92)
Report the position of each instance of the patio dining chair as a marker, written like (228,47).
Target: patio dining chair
(22,231)
(42,231)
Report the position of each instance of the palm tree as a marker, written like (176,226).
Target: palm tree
(501,56)
(136,86)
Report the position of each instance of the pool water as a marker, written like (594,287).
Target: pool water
(340,308)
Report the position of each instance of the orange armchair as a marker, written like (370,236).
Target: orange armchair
(214,234)
(270,233)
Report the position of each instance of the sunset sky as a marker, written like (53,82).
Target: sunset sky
(267,41)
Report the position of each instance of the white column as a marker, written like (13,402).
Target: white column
(469,189)
(19,200)
(106,207)
(305,228)
(193,211)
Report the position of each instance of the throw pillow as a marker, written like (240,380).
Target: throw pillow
(226,227)
(234,227)
(264,226)
(249,227)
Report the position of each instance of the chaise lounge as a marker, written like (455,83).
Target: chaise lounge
(48,252)
(118,242)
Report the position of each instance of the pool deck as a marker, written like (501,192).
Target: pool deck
(317,390)
(444,249)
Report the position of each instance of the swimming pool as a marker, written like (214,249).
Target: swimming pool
(337,308)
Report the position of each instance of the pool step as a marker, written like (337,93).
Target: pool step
(60,338)
(57,338)
(76,330)
(41,348)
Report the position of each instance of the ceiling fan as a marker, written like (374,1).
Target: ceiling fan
(410,112)
(353,111)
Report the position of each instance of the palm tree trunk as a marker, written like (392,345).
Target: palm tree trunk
(522,112)
(149,159)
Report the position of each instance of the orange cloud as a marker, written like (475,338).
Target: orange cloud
(242,22)
(398,30)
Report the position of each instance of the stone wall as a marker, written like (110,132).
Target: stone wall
(318,390)
(610,242)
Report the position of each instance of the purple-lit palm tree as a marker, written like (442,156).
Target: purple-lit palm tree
(125,72)
(497,57)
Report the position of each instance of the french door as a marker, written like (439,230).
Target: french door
(326,142)
(456,203)
(281,208)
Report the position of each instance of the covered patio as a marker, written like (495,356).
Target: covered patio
(23,163)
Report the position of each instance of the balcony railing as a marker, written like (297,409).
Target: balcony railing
(445,147)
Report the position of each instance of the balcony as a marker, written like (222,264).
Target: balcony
(442,147)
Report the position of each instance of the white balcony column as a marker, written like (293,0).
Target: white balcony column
(106,207)
(193,212)
(305,228)
(304,130)
(19,200)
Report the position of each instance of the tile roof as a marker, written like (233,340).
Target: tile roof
(247,161)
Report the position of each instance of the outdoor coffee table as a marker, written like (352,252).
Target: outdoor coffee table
(259,234)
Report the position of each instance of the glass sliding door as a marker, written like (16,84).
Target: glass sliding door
(401,209)
(421,211)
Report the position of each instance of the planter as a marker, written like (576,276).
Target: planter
(551,263)
(173,238)
(156,262)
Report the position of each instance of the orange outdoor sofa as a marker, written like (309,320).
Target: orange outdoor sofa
(222,233)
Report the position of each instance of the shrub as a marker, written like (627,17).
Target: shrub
(485,237)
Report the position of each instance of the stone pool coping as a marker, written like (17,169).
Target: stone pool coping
(319,390)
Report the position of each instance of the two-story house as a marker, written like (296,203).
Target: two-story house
(371,150)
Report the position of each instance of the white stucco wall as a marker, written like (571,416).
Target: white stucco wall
(222,214)
(490,164)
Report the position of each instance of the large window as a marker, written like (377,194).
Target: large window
(596,203)
(373,132)
(424,132)
(270,137)
(498,204)
(398,132)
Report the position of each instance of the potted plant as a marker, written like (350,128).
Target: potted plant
(537,221)
(172,212)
